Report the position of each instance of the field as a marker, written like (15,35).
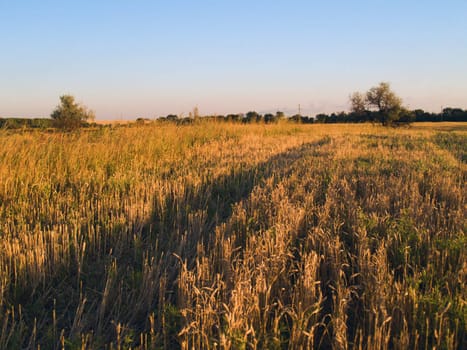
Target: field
(228,236)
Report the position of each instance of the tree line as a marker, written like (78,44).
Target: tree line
(448,114)
(378,105)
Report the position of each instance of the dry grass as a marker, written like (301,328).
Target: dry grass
(223,236)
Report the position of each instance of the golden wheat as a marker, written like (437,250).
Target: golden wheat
(228,236)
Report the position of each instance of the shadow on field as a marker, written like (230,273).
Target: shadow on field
(189,215)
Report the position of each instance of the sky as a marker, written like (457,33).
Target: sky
(138,58)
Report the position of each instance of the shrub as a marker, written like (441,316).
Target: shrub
(70,115)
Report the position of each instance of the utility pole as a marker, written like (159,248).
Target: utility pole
(299,109)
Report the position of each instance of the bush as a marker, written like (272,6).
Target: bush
(70,115)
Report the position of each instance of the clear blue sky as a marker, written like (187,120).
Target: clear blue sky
(137,58)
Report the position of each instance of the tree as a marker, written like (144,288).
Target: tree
(234,117)
(380,100)
(280,115)
(70,115)
(385,101)
(406,116)
(269,118)
(252,117)
(322,118)
(453,114)
(358,103)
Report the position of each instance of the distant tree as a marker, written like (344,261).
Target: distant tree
(421,115)
(453,114)
(296,118)
(382,102)
(306,119)
(14,123)
(332,118)
(41,123)
(280,115)
(70,115)
(358,103)
(252,117)
(269,118)
(406,116)
(387,103)
(172,117)
(321,118)
(233,117)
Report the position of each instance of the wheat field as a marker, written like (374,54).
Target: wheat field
(229,236)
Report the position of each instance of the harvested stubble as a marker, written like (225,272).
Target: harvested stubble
(234,237)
